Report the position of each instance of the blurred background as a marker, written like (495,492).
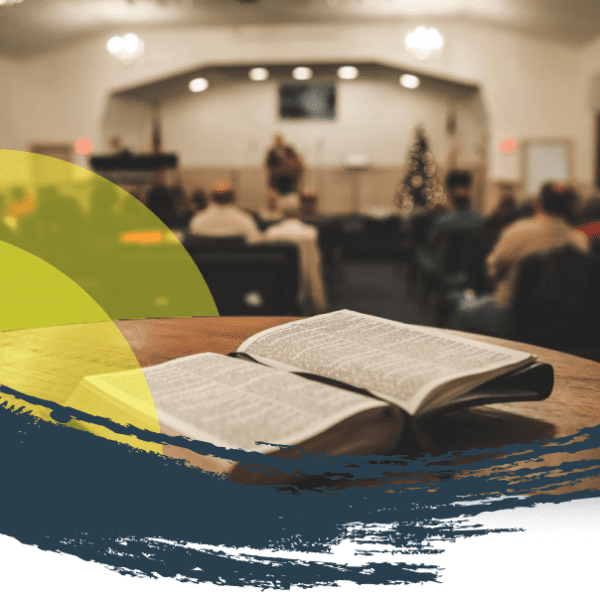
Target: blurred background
(332,125)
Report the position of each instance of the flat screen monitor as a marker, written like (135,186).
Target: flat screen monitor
(307,101)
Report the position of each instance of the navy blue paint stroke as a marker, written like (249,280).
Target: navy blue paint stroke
(67,490)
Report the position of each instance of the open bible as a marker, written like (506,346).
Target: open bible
(339,383)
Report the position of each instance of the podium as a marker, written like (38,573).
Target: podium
(132,169)
(289,168)
(355,164)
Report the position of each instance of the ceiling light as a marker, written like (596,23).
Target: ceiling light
(126,48)
(302,73)
(423,42)
(347,72)
(9,2)
(410,81)
(258,74)
(198,85)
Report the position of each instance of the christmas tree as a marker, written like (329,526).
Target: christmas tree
(419,185)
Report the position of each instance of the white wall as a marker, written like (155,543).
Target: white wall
(128,119)
(11,90)
(587,95)
(232,123)
(527,84)
(63,95)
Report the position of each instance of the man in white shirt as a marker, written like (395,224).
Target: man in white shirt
(312,296)
(222,218)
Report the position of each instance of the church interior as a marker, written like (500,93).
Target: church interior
(377,103)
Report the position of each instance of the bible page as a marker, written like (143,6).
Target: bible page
(234,403)
(404,364)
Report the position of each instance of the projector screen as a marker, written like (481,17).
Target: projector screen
(307,101)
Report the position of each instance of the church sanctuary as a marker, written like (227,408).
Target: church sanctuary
(431,162)
(334,263)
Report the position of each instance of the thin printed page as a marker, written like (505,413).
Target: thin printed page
(404,364)
(234,403)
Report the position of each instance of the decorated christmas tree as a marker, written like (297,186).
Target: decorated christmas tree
(419,186)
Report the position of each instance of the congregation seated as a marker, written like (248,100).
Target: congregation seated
(312,297)
(271,213)
(506,212)
(286,191)
(589,222)
(526,209)
(555,302)
(7,233)
(61,214)
(185,209)
(171,205)
(551,228)
(198,200)
(51,217)
(161,202)
(223,218)
(459,218)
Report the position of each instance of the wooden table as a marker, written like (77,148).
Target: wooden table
(573,405)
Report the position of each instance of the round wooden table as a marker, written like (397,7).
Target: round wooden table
(573,406)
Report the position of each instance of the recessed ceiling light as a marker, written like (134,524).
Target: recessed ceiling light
(347,72)
(258,74)
(302,73)
(198,85)
(410,81)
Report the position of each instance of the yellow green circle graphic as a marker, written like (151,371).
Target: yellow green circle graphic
(78,253)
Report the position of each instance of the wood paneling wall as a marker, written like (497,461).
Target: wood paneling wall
(338,190)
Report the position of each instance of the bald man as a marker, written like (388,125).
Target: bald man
(222,218)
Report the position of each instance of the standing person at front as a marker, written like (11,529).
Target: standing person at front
(283,160)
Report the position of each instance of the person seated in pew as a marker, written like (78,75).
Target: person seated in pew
(286,191)
(504,214)
(222,218)
(312,297)
(283,190)
(185,209)
(198,200)
(549,229)
(308,203)
(460,217)
(271,213)
(161,201)
(589,220)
